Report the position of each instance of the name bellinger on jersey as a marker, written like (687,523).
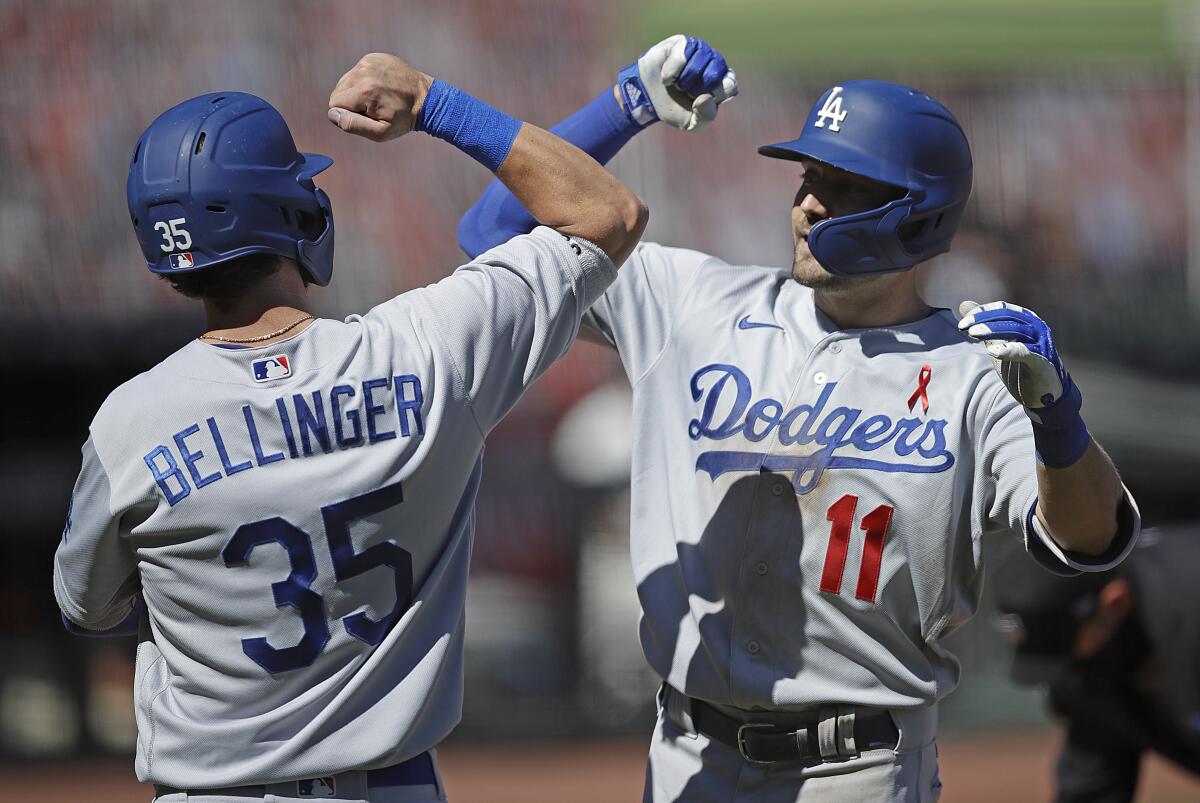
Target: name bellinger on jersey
(359,415)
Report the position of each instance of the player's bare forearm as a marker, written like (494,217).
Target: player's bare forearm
(1078,504)
(567,190)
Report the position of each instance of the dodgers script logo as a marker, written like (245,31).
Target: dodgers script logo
(726,387)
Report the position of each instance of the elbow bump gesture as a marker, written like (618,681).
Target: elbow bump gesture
(681,81)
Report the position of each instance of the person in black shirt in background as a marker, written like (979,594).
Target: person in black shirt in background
(1119,653)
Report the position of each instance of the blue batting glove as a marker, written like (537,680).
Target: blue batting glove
(681,81)
(704,70)
(1022,351)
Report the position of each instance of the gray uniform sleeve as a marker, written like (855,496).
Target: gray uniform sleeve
(1006,490)
(1005,481)
(510,313)
(637,315)
(95,571)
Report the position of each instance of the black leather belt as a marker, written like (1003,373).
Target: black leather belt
(798,740)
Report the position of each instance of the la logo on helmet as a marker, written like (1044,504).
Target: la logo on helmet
(832,110)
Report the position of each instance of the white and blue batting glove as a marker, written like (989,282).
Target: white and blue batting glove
(681,81)
(1023,353)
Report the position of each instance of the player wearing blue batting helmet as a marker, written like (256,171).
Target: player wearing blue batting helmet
(259,683)
(839,390)
(907,143)
(218,178)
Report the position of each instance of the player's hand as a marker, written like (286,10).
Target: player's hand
(379,98)
(681,81)
(1022,350)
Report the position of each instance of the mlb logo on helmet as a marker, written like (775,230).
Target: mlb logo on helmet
(317,787)
(276,367)
(182,261)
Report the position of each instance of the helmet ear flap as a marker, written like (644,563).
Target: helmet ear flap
(316,254)
(931,233)
(864,243)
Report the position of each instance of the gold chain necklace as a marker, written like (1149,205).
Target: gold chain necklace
(260,338)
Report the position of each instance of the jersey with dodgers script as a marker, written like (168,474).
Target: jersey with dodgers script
(299,518)
(808,503)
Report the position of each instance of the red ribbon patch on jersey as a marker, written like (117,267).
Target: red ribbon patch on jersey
(922,383)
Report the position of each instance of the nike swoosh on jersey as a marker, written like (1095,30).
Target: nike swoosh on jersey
(746,323)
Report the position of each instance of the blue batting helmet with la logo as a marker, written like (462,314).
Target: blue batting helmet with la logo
(898,136)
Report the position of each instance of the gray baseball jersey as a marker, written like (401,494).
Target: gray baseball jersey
(299,517)
(808,502)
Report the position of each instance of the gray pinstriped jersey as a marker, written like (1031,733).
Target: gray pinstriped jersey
(299,517)
(804,529)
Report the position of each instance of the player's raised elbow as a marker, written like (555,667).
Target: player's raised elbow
(612,217)
(628,222)
(634,217)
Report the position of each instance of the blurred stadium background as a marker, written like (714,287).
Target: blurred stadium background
(1085,121)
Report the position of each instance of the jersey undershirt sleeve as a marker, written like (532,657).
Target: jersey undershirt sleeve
(95,570)
(509,314)
(637,315)
(599,129)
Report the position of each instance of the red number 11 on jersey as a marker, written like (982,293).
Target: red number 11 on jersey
(841,513)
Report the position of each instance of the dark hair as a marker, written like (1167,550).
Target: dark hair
(223,283)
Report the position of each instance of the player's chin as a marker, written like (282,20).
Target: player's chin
(810,273)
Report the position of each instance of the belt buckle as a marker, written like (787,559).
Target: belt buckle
(741,739)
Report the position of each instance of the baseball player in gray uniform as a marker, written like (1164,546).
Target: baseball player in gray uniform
(293,497)
(818,453)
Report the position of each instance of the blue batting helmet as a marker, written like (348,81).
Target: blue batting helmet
(897,136)
(218,177)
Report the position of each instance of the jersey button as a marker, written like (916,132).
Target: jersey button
(835,348)
(777,489)
(752,647)
(760,567)
(819,377)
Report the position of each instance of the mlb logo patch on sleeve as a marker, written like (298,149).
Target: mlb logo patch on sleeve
(276,367)
(182,261)
(316,787)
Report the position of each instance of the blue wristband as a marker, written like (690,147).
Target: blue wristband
(482,132)
(1061,437)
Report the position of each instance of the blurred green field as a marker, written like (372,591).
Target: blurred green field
(969,36)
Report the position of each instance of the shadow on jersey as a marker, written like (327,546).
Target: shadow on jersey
(750,499)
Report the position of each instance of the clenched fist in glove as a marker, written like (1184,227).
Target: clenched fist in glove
(1022,350)
(680,81)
